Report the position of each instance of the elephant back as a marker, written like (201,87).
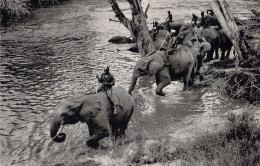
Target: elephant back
(176,24)
(119,96)
(212,36)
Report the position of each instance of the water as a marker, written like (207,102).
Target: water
(57,53)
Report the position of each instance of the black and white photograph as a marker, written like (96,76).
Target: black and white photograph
(130,83)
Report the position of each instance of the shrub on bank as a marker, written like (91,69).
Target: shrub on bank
(11,9)
(238,145)
(15,9)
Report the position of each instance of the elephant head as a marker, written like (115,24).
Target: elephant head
(148,65)
(68,116)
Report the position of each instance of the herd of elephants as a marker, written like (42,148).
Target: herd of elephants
(181,50)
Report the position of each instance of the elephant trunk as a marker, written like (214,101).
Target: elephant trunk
(133,82)
(55,126)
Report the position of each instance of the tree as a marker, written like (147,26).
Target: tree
(137,26)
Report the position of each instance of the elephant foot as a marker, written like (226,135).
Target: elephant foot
(93,144)
(185,88)
(160,93)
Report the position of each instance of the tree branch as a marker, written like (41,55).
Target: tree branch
(113,20)
(119,14)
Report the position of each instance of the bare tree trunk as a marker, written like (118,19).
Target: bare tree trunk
(137,26)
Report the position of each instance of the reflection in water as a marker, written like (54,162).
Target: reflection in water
(57,54)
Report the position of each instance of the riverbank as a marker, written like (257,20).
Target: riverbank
(243,82)
(17,9)
(236,145)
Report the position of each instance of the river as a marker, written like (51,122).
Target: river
(56,54)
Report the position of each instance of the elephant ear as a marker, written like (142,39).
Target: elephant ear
(72,110)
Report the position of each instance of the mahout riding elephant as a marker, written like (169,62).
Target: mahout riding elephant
(166,66)
(121,40)
(97,111)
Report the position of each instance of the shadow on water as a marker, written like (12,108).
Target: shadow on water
(57,55)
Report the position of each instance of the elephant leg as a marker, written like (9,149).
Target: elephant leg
(209,55)
(163,79)
(187,77)
(228,53)
(191,80)
(98,135)
(91,129)
(223,51)
(200,60)
(216,52)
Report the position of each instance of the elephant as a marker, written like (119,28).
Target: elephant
(120,40)
(210,34)
(198,48)
(166,66)
(175,25)
(97,111)
(225,43)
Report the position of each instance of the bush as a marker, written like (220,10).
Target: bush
(237,145)
(15,9)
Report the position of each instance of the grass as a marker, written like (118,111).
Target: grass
(16,9)
(238,145)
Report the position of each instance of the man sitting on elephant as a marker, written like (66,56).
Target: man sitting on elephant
(107,80)
(169,19)
(155,30)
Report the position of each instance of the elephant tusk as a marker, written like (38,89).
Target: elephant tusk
(57,135)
